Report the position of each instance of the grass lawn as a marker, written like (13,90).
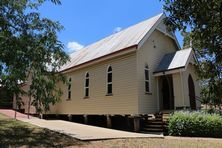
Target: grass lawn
(14,133)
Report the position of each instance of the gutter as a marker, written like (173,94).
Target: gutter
(163,71)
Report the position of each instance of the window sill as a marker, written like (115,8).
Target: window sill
(86,97)
(109,94)
(148,93)
(68,99)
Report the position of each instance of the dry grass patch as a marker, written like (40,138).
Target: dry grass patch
(157,143)
(14,133)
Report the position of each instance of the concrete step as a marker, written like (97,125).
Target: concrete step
(153,129)
(157,123)
(155,119)
(165,116)
(165,119)
(154,125)
(158,116)
(158,119)
(154,122)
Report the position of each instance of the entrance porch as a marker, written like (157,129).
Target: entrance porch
(177,85)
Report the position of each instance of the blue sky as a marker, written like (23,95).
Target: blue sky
(87,21)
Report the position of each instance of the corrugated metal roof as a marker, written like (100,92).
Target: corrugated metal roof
(174,60)
(118,41)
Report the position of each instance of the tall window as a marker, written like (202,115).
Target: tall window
(86,87)
(109,81)
(69,89)
(147,79)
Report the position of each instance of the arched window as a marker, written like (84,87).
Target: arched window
(109,80)
(147,79)
(69,89)
(86,87)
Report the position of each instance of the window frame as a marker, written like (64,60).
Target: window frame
(86,87)
(147,69)
(69,89)
(107,80)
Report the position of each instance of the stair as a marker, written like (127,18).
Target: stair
(156,123)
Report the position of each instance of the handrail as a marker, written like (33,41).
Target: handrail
(196,97)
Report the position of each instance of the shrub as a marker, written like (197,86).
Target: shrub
(196,124)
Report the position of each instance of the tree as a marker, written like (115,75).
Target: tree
(186,40)
(204,19)
(30,52)
(6,98)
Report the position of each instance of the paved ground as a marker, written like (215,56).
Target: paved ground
(11,113)
(80,131)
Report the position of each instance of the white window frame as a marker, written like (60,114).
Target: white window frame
(70,89)
(146,68)
(86,87)
(109,83)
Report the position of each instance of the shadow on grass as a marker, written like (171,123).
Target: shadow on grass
(16,133)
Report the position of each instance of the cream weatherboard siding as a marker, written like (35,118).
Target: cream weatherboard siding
(123,101)
(181,88)
(191,71)
(25,98)
(151,53)
(178,91)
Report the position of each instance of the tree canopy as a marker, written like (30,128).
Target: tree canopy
(203,20)
(30,51)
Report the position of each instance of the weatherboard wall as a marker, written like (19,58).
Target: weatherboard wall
(157,45)
(123,101)
(25,99)
(191,71)
(178,90)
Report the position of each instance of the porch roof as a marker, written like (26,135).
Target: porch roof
(175,60)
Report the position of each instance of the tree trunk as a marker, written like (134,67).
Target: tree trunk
(16,105)
(29,105)
(15,113)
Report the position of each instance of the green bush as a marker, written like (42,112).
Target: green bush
(196,124)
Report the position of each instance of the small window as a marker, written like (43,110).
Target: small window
(86,87)
(109,81)
(147,79)
(69,89)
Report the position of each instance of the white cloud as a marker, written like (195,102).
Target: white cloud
(117,29)
(74,46)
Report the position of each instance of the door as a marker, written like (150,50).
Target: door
(166,94)
(192,95)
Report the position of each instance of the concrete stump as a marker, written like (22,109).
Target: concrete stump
(109,121)
(70,117)
(136,122)
(85,119)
